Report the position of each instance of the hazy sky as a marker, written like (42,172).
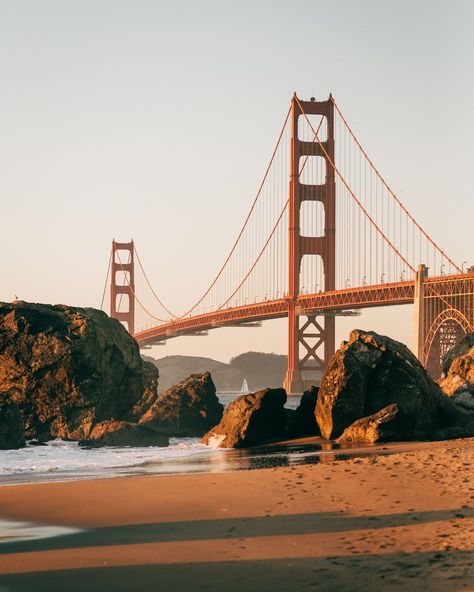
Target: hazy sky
(155,120)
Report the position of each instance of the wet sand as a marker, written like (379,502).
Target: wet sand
(403,521)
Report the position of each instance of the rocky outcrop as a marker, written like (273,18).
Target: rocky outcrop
(189,408)
(68,369)
(374,428)
(149,395)
(303,421)
(250,420)
(370,372)
(11,427)
(464,399)
(458,370)
(124,433)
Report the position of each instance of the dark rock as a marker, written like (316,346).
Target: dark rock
(375,428)
(149,395)
(250,420)
(69,368)
(461,348)
(123,433)
(12,433)
(370,372)
(464,399)
(189,408)
(458,368)
(290,423)
(303,422)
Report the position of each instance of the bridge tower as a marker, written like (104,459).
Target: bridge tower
(126,290)
(321,332)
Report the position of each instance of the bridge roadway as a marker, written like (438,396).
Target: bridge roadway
(388,294)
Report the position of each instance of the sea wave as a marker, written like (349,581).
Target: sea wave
(59,456)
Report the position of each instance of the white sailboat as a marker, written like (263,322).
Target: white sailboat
(245,388)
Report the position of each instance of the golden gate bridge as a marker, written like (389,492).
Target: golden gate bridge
(325,236)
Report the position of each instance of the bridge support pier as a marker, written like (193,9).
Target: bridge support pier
(293,383)
(418,312)
(314,335)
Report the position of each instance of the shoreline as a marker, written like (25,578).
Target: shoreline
(305,451)
(398,521)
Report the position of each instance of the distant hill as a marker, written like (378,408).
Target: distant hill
(175,368)
(260,370)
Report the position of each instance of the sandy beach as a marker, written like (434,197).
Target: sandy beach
(404,521)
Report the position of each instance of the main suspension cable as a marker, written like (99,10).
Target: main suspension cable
(150,286)
(245,222)
(136,297)
(106,281)
(336,170)
(258,257)
(425,234)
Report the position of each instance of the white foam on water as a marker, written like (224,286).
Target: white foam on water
(215,441)
(60,460)
(62,457)
(12,531)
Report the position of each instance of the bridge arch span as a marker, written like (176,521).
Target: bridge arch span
(446,329)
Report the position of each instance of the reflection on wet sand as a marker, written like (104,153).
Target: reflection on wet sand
(278,454)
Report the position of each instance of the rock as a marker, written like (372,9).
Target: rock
(189,408)
(458,367)
(290,423)
(250,420)
(68,369)
(123,433)
(464,399)
(12,433)
(149,395)
(370,372)
(374,428)
(303,421)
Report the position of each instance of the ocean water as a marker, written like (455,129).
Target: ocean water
(60,460)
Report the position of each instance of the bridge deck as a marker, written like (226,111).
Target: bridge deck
(388,294)
(338,300)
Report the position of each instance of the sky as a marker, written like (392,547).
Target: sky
(154,120)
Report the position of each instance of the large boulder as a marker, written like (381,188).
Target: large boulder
(189,408)
(370,372)
(12,433)
(462,349)
(68,369)
(149,394)
(124,433)
(374,428)
(250,420)
(303,421)
(458,368)
(464,399)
